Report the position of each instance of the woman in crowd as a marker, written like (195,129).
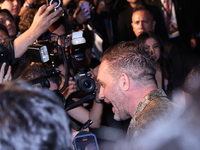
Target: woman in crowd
(164,72)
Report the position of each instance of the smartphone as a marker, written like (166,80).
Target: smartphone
(5,56)
(85,141)
(86,7)
(59,3)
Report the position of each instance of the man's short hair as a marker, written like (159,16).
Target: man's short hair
(142,8)
(132,59)
(31,118)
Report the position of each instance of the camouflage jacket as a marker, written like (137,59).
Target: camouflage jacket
(155,106)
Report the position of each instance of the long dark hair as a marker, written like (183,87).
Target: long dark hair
(2,27)
(164,60)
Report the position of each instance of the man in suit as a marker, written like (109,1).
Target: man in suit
(179,17)
(124,29)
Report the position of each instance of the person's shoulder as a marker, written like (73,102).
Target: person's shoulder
(163,104)
(151,7)
(160,99)
(158,107)
(127,10)
(155,10)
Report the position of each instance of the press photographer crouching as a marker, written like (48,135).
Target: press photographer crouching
(77,112)
(81,60)
(82,63)
(41,22)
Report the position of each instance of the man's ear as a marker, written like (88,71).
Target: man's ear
(124,82)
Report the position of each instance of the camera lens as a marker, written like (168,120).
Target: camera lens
(86,84)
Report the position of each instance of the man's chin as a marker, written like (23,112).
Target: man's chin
(119,118)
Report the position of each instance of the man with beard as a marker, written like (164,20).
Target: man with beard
(126,77)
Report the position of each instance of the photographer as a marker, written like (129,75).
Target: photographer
(42,20)
(79,113)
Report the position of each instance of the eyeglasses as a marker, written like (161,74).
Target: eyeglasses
(55,37)
(3,20)
(3,39)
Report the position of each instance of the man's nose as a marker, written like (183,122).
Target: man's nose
(141,24)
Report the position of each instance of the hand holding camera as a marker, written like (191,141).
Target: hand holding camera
(70,89)
(83,80)
(82,14)
(45,17)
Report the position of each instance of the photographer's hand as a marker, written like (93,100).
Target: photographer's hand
(94,73)
(70,89)
(8,76)
(43,19)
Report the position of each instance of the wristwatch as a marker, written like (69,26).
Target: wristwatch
(27,5)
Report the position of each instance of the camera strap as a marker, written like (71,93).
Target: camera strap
(82,100)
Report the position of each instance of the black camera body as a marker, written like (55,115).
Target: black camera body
(43,51)
(84,82)
(5,56)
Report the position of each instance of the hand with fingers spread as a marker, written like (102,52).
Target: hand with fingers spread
(81,16)
(8,76)
(43,19)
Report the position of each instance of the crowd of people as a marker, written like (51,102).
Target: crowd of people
(129,66)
